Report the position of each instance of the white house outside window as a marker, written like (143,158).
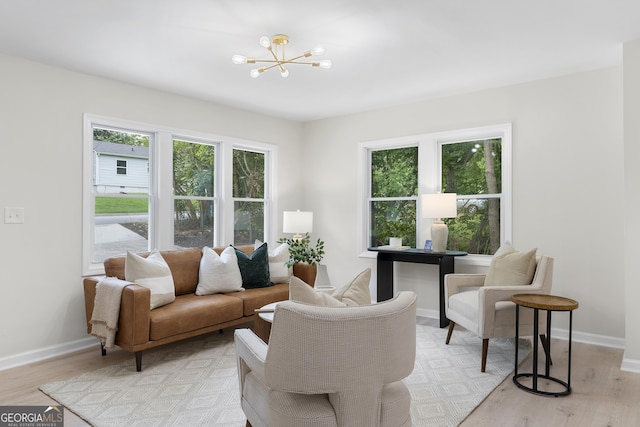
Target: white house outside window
(183,169)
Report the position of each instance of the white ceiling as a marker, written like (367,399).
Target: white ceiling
(384,52)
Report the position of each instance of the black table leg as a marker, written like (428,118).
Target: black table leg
(385,278)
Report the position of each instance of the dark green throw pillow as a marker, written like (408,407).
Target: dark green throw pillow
(254,269)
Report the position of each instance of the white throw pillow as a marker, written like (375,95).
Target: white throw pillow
(300,291)
(354,293)
(510,267)
(152,272)
(219,273)
(278,270)
(357,291)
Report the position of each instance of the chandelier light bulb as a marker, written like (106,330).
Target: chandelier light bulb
(265,42)
(318,50)
(278,59)
(239,59)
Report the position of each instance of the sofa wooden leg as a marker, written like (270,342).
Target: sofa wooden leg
(485,349)
(248,424)
(138,361)
(103,350)
(451,326)
(545,346)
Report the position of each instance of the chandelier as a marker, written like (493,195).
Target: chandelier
(276,47)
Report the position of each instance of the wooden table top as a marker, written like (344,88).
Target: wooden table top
(545,302)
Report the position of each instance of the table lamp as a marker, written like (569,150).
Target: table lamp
(297,222)
(437,206)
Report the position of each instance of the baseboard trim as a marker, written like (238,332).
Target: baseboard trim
(46,353)
(630,365)
(562,334)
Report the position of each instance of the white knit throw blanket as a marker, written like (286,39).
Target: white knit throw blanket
(106,310)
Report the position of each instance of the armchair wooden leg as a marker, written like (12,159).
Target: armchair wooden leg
(451,326)
(545,346)
(248,424)
(103,350)
(485,349)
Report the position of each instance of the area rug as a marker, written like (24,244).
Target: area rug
(194,383)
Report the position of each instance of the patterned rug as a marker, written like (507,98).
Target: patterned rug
(194,383)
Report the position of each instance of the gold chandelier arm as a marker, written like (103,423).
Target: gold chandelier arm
(288,61)
(270,49)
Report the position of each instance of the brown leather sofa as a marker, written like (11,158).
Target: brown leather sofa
(140,328)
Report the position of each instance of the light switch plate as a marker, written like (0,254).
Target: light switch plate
(14,215)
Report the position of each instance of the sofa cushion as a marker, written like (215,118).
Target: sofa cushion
(254,268)
(279,272)
(259,297)
(219,273)
(510,267)
(184,265)
(191,312)
(151,272)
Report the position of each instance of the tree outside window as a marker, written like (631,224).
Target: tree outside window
(249,196)
(393,197)
(472,170)
(194,193)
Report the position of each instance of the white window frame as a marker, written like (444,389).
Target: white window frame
(161,230)
(270,156)
(429,178)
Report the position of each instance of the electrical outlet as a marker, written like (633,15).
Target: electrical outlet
(14,215)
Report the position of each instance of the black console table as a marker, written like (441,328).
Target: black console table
(386,258)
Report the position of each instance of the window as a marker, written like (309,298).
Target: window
(473,163)
(393,195)
(473,170)
(131,169)
(121,167)
(248,196)
(194,193)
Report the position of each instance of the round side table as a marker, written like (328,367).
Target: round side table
(549,303)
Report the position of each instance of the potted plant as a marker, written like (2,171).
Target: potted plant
(301,252)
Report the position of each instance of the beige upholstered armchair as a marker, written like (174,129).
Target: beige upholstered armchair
(330,366)
(488,310)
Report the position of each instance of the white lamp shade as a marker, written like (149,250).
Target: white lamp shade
(441,205)
(297,222)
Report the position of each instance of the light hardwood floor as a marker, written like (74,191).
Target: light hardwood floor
(602,394)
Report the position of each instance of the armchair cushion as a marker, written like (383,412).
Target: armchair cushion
(300,291)
(511,267)
(153,273)
(357,291)
(353,293)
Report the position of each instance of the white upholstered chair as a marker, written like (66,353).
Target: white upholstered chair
(488,310)
(330,366)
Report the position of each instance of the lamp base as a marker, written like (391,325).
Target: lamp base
(439,236)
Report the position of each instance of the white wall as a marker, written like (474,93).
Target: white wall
(567,184)
(631,359)
(41,112)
